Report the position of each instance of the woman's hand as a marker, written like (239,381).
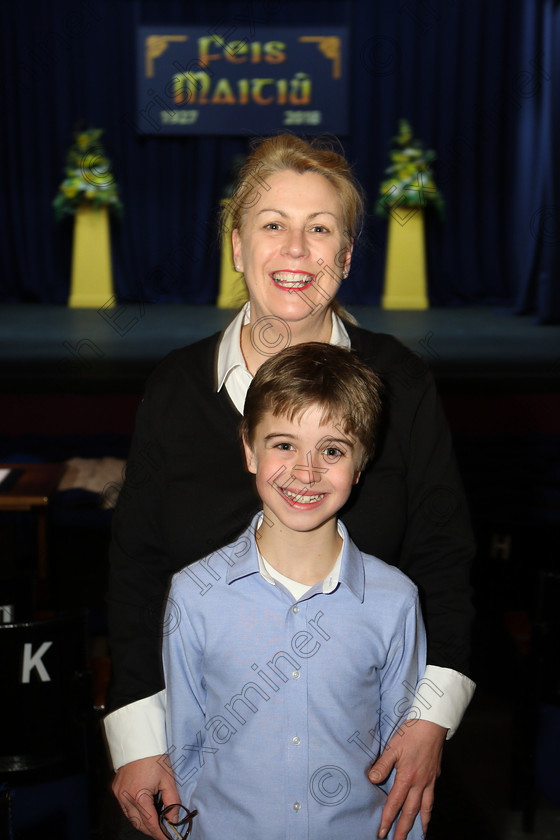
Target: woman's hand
(415,752)
(135,785)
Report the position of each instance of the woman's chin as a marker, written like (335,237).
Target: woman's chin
(295,307)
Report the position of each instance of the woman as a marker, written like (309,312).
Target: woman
(294,218)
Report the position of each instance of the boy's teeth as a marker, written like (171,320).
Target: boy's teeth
(297,497)
(292,280)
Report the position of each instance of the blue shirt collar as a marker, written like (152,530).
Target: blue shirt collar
(243,560)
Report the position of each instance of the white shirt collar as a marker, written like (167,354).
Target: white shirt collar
(271,575)
(231,368)
(229,353)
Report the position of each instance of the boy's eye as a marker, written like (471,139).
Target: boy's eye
(333,453)
(285,447)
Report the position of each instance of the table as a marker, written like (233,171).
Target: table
(31,490)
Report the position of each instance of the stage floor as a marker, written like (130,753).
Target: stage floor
(54,349)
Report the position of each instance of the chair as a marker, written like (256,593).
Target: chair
(46,713)
(17,596)
(536,723)
(547,675)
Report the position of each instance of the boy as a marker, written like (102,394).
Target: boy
(290,658)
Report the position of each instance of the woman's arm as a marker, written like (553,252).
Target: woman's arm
(139,567)
(424,528)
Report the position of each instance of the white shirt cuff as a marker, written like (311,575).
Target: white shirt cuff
(137,730)
(442,697)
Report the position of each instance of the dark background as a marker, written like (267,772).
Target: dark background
(477,79)
(479,82)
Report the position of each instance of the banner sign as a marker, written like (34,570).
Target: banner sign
(191,81)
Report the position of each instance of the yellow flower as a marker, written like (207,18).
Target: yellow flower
(70,192)
(83,141)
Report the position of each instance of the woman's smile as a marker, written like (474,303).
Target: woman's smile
(291,280)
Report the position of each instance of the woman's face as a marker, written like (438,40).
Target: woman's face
(292,248)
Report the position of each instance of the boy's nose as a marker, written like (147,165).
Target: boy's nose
(309,472)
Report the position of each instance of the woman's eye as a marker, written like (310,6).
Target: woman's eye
(319,229)
(273,226)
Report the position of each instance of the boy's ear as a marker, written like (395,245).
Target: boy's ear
(249,457)
(357,475)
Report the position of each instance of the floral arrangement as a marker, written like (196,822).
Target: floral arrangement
(410,179)
(88,177)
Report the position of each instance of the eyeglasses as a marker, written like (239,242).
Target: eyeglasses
(178,828)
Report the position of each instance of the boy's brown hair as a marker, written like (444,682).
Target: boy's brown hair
(317,374)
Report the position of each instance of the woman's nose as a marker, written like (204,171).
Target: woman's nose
(295,243)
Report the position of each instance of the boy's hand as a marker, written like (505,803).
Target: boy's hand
(415,751)
(135,785)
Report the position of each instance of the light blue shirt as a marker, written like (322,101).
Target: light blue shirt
(276,708)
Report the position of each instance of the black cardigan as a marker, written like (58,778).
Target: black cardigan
(187,493)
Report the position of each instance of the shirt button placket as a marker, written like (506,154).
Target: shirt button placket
(297,722)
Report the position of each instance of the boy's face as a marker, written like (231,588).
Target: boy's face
(304,470)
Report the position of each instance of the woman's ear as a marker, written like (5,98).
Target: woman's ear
(348,259)
(249,457)
(236,250)
(357,475)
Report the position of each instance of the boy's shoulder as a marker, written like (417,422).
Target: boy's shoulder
(219,567)
(382,577)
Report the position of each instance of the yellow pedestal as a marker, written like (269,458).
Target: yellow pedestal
(92,278)
(405,267)
(233,291)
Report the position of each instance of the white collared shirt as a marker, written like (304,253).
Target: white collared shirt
(232,370)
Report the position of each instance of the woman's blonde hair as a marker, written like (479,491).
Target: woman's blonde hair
(287,152)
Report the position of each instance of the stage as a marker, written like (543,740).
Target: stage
(58,350)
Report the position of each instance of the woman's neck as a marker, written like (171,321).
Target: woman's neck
(312,328)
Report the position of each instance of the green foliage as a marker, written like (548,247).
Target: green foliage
(410,179)
(88,177)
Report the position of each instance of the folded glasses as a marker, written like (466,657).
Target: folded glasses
(175,820)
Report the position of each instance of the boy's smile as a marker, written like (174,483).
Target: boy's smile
(301,498)
(304,469)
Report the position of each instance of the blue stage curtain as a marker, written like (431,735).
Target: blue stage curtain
(458,71)
(537,175)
